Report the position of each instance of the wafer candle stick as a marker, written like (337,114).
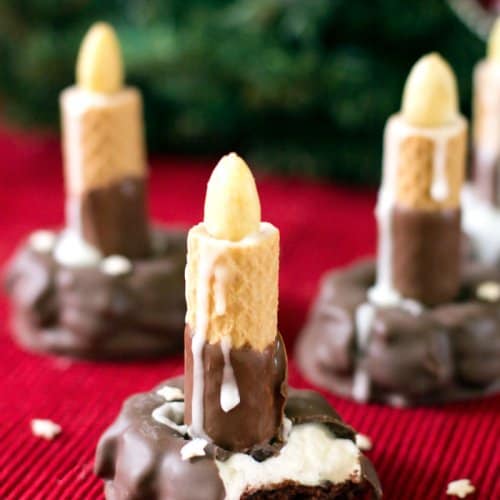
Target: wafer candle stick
(105,168)
(486,123)
(418,210)
(234,357)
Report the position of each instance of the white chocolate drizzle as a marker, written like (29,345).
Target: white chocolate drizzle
(171,414)
(364,316)
(194,448)
(229,393)
(208,260)
(71,249)
(170,393)
(116,265)
(42,241)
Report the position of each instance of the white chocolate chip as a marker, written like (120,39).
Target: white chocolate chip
(460,488)
(170,393)
(195,448)
(363,442)
(116,265)
(45,428)
(42,241)
(488,291)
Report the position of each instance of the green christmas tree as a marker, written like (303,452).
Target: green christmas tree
(295,85)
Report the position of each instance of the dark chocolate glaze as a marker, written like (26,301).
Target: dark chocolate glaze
(140,458)
(115,219)
(448,352)
(261,378)
(83,312)
(426,254)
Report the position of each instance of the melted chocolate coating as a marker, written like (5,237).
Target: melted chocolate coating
(115,219)
(448,352)
(83,312)
(426,254)
(262,385)
(140,458)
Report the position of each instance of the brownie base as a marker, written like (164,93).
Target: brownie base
(443,353)
(140,458)
(87,313)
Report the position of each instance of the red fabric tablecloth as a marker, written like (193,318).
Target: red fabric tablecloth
(416,451)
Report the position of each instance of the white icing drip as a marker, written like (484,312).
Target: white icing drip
(171,414)
(194,448)
(311,456)
(170,393)
(229,393)
(71,249)
(42,241)
(364,316)
(207,261)
(397,130)
(361,385)
(481,221)
(116,265)
(286,429)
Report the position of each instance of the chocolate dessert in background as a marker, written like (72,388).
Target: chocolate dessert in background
(110,284)
(422,325)
(231,428)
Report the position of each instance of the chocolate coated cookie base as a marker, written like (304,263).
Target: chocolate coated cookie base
(97,314)
(403,355)
(140,458)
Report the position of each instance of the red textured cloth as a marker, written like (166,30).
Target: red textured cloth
(416,451)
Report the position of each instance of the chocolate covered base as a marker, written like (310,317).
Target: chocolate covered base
(116,309)
(405,355)
(141,455)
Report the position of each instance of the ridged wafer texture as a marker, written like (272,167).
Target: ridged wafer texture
(486,123)
(232,287)
(417,155)
(103,138)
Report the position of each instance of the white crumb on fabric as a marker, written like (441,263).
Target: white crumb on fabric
(460,488)
(363,442)
(116,265)
(42,241)
(170,393)
(45,428)
(195,448)
(488,291)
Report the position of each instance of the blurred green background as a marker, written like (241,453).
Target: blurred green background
(295,85)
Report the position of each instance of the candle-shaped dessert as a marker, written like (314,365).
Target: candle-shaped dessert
(482,197)
(410,328)
(231,429)
(234,357)
(418,210)
(110,285)
(486,123)
(105,164)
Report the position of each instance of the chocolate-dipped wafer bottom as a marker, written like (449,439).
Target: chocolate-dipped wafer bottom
(260,382)
(140,455)
(117,309)
(406,355)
